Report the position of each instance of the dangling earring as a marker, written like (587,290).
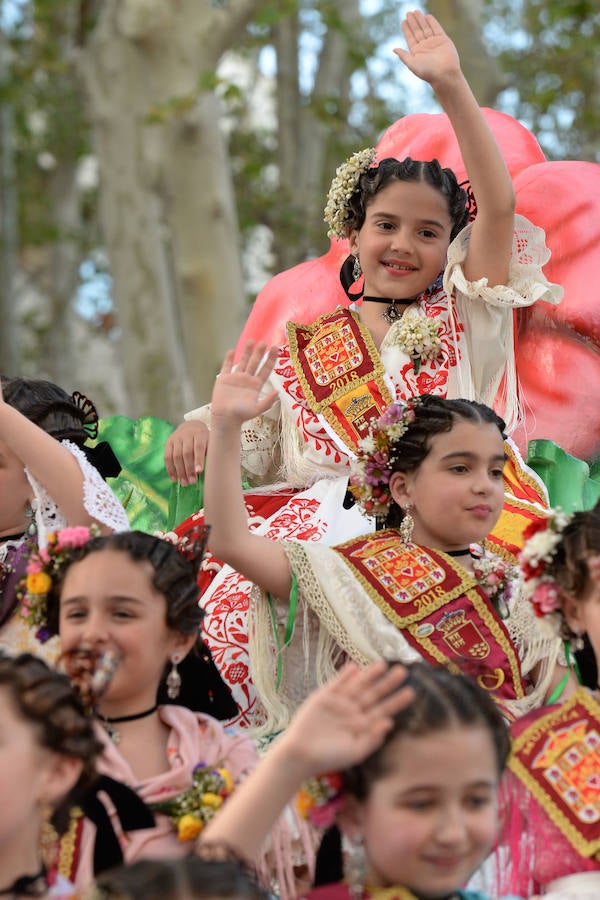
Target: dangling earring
(31,528)
(355,865)
(407,524)
(577,642)
(174,678)
(356,268)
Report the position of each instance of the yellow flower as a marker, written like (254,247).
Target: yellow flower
(304,803)
(189,827)
(227,779)
(212,800)
(38,583)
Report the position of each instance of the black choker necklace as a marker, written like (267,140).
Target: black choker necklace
(29,885)
(12,537)
(466,552)
(113,733)
(392,313)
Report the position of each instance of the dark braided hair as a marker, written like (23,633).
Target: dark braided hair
(174,576)
(45,699)
(580,539)
(433,415)
(63,416)
(442,700)
(389,170)
(216,872)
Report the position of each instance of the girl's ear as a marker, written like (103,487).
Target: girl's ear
(353,238)
(182,643)
(61,775)
(350,817)
(400,487)
(572,610)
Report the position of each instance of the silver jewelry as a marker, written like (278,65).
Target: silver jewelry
(407,524)
(577,642)
(356,268)
(174,678)
(31,528)
(355,865)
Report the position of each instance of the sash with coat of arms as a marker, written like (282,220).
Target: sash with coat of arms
(440,608)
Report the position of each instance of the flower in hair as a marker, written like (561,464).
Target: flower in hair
(190,811)
(542,539)
(419,337)
(375,455)
(43,567)
(342,188)
(320,798)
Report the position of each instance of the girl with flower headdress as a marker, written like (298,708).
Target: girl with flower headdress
(49,478)
(437,296)
(431,471)
(130,600)
(552,792)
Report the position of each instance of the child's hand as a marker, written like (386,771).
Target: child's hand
(348,718)
(185,451)
(431,55)
(237,393)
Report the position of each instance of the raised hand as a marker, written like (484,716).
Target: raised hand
(348,718)
(237,392)
(431,55)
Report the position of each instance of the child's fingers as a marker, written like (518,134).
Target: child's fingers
(228,361)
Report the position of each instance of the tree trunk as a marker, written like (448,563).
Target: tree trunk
(167,204)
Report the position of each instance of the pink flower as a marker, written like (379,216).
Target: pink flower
(73,537)
(34,566)
(545,598)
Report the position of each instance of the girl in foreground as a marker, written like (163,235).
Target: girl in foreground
(552,791)
(135,596)
(437,297)
(432,470)
(416,795)
(47,755)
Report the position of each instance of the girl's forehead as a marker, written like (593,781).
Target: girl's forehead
(418,198)
(481,438)
(465,750)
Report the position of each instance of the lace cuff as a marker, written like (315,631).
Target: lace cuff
(98,499)
(526,281)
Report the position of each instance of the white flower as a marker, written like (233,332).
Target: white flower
(342,188)
(418,336)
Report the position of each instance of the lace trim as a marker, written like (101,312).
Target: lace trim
(98,499)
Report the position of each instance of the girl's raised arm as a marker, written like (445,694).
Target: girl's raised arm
(237,398)
(47,460)
(347,719)
(432,56)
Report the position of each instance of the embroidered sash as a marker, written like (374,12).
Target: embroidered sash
(439,607)
(557,757)
(341,373)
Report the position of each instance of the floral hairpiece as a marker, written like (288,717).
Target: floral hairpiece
(542,538)
(342,188)
(372,467)
(320,798)
(43,567)
(190,811)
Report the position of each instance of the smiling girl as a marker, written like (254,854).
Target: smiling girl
(436,296)
(432,471)
(135,596)
(411,782)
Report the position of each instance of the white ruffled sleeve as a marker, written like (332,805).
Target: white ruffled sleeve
(98,499)
(486,313)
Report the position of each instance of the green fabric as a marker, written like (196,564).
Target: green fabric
(143,486)
(184,501)
(572,483)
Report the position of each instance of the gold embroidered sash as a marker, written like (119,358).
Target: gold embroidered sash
(439,607)
(341,373)
(557,758)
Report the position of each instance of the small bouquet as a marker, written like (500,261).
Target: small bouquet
(190,811)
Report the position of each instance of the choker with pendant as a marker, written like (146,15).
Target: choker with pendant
(108,723)
(393,312)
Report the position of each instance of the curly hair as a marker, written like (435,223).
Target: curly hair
(580,539)
(174,576)
(433,415)
(47,701)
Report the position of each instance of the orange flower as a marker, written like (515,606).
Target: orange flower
(304,802)
(189,827)
(38,583)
